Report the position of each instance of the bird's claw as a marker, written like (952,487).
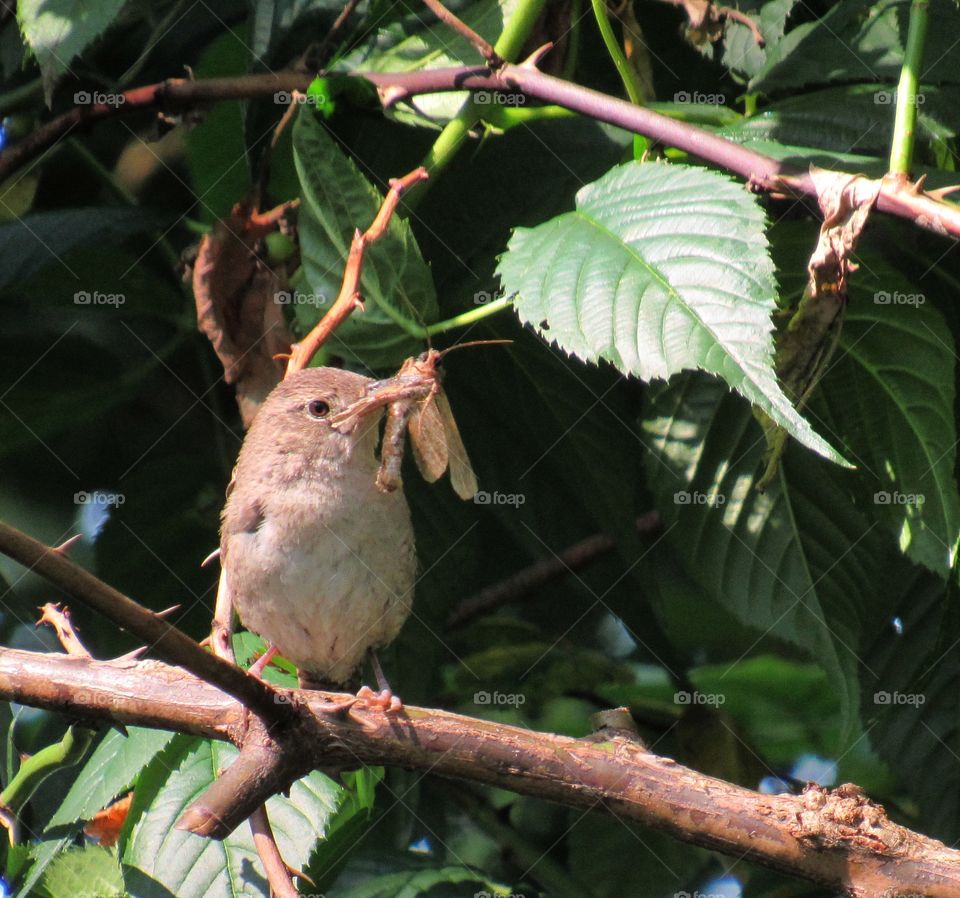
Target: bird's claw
(385,700)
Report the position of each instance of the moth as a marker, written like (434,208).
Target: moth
(417,404)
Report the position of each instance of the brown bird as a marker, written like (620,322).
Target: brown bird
(316,559)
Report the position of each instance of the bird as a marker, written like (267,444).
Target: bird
(315,558)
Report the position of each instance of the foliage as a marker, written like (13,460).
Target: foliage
(750,630)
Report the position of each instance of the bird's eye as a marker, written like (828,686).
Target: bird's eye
(317,408)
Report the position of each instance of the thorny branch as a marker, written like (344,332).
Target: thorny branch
(763,173)
(839,838)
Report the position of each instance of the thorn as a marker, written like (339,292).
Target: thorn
(65,547)
(917,186)
(280,357)
(132,656)
(390,96)
(216,552)
(534,58)
(942,192)
(167,611)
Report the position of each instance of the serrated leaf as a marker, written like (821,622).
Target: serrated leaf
(396,282)
(58,33)
(889,398)
(90,871)
(158,858)
(111,769)
(425,44)
(799,561)
(661,268)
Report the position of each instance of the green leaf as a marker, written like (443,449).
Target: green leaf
(90,871)
(159,859)
(396,283)
(889,398)
(799,561)
(661,268)
(111,769)
(856,41)
(416,883)
(433,45)
(60,30)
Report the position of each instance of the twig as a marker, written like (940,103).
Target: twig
(762,172)
(63,627)
(494,60)
(837,838)
(350,297)
(281,884)
(170,643)
(532,579)
(905,116)
(323,53)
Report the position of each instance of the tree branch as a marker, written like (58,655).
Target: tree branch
(762,172)
(167,640)
(837,838)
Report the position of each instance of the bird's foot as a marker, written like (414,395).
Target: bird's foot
(385,700)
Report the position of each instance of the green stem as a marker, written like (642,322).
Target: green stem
(905,120)
(465,318)
(451,138)
(161,28)
(627,74)
(503,118)
(65,753)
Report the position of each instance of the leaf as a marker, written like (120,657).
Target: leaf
(89,871)
(855,41)
(432,46)
(112,768)
(661,268)
(159,859)
(60,30)
(799,561)
(889,397)
(396,282)
(42,240)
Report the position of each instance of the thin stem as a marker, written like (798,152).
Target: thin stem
(465,318)
(159,31)
(627,74)
(905,120)
(447,145)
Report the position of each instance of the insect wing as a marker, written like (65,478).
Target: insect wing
(428,437)
(462,478)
